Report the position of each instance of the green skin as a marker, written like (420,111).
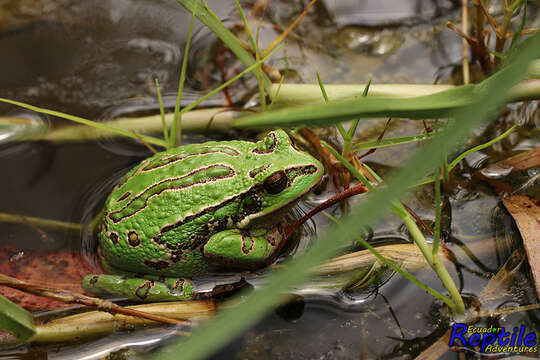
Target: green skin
(191,209)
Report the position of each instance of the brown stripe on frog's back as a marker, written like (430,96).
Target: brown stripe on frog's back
(132,173)
(123,197)
(196,177)
(295,171)
(257,170)
(201,151)
(198,240)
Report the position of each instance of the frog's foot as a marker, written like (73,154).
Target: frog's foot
(244,248)
(139,289)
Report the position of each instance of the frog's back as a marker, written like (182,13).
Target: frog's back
(171,190)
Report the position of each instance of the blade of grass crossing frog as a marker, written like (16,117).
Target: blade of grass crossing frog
(15,320)
(211,337)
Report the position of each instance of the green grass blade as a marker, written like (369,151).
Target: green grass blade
(323,92)
(162,113)
(230,323)
(208,18)
(321,85)
(255,47)
(442,104)
(80,120)
(228,82)
(400,140)
(277,92)
(176,128)
(437,230)
(462,156)
(402,272)
(517,33)
(354,126)
(15,320)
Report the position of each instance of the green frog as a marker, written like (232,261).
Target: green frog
(195,208)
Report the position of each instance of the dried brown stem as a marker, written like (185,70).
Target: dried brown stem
(530,31)
(478,47)
(491,20)
(472,41)
(284,34)
(74,298)
(418,219)
(330,162)
(465,50)
(355,190)
(146,144)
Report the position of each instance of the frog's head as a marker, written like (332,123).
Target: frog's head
(282,172)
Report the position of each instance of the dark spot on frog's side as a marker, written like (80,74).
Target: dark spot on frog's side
(156,264)
(177,256)
(133,238)
(178,287)
(113,237)
(94,279)
(144,289)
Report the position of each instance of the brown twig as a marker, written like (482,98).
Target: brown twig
(355,190)
(284,34)
(74,298)
(379,138)
(465,51)
(490,19)
(330,163)
(478,46)
(418,219)
(145,143)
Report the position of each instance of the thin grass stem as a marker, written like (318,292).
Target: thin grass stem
(80,120)
(354,126)
(480,147)
(255,48)
(437,230)
(176,128)
(228,82)
(340,127)
(162,113)
(400,271)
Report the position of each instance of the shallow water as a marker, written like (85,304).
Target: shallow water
(91,59)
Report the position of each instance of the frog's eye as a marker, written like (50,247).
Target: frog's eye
(276,182)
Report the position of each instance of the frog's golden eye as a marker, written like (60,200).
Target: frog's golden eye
(276,182)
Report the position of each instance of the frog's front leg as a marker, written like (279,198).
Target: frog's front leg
(148,289)
(244,248)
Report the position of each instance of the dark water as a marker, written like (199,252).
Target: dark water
(89,58)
